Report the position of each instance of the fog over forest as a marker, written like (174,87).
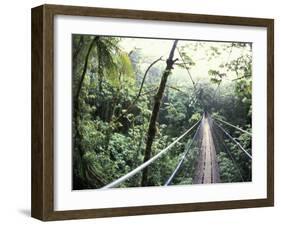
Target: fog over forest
(133,97)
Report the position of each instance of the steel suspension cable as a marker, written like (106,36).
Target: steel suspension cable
(236,142)
(148,162)
(236,127)
(229,153)
(182,158)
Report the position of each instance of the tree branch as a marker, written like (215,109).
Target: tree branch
(177,89)
(186,68)
(239,78)
(140,90)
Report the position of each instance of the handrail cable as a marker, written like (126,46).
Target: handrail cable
(236,142)
(230,154)
(227,123)
(148,162)
(182,158)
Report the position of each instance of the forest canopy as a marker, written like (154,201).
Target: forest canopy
(132,97)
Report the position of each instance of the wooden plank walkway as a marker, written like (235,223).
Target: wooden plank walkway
(207,170)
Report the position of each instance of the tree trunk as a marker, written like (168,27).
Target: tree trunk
(76,107)
(84,69)
(77,134)
(78,48)
(157,102)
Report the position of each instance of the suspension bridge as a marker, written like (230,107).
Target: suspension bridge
(207,132)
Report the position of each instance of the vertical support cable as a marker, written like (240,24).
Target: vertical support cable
(229,153)
(182,158)
(237,143)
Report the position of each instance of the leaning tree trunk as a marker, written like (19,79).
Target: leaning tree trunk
(76,104)
(76,112)
(157,102)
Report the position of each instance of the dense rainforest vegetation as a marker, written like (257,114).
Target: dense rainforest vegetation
(132,97)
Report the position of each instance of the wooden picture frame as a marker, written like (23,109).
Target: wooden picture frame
(43,107)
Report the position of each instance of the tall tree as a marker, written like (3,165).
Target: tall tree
(79,175)
(103,57)
(77,94)
(157,102)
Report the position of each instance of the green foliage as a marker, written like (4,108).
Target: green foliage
(195,118)
(215,76)
(228,171)
(110,125)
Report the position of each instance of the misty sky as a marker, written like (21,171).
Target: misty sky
(152,49)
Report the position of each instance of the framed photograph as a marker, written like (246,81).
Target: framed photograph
(141,112)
